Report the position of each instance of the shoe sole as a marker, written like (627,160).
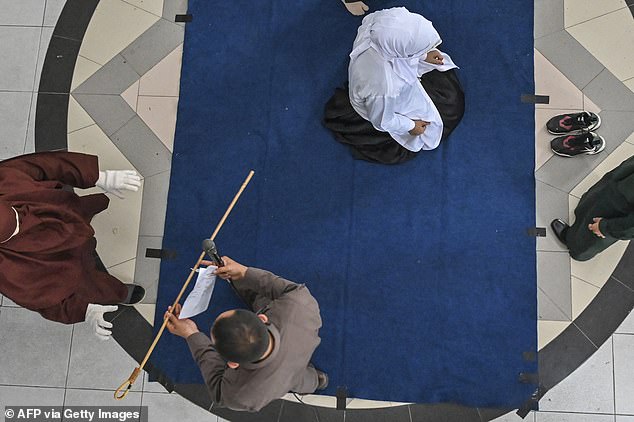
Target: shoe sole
(589,129)
(132,304)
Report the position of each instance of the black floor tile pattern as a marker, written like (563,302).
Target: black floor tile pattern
(556,361)
(51,122)
(60,63)
(607,309)
(562,356)
(75,18)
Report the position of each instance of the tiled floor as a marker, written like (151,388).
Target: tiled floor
(125,86)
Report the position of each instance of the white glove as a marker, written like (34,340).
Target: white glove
(94,316)
(114,181)
(357,8)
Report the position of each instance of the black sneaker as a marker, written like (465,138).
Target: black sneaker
(571,145)
(565,123)
(136,294)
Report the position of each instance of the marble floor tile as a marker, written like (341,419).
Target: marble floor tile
(367,404)
(624,373)
(542,137)
(84,69)
(589,105)
(598,270)
(131,94)
(159,113)
(174,407)
(114,25)
(571,417)
(551,203)
(550,81)
(582,295)
(53,10)
(27,338)
(14,119)
(146,310)
(572,394)
(87,397)
(164,78)
(22,13)
(578,11)
(547,331)
(117,227)
(553,279)
(154,45)
(153,212)
(11,395)
(549,17)
(124,271)
(45,40)
(77,116)
(153,6)
(627,327)
(98,364)
(22,44)
(605,37)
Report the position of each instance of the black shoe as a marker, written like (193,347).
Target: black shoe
(136,294)
(322,378)
(560,228)
(571,145)
(565,123)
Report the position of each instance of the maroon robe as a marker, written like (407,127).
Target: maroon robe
(50,265)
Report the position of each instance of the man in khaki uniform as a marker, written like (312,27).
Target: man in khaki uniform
(252,358)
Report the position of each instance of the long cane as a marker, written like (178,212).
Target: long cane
(123,389)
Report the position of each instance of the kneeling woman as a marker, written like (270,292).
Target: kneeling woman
(390,111)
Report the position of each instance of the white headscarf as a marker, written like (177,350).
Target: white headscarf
(400,37)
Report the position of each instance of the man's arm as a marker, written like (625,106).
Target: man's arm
(69,168)
(249,280)
(212,365)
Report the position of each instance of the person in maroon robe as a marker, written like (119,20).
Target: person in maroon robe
(48,261)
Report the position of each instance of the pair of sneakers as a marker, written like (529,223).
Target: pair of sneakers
(578,137)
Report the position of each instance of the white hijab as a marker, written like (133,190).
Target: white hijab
(400,37)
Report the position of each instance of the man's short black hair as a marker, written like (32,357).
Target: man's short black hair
(240,337)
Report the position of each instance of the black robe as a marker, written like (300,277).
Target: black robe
(51,266)
(368,143)
(612,199)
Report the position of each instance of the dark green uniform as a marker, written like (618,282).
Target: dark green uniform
(611,198)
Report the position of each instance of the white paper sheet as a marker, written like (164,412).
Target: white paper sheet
(198,300)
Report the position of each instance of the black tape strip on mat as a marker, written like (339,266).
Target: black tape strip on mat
(342,395)
(535,99)
(532,403)
(183,18)
(536,232)
(160,253)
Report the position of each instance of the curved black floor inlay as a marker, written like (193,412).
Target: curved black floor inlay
(556,360)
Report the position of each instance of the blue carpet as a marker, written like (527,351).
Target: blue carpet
(423,271)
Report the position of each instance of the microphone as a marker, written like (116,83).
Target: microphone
(210,249)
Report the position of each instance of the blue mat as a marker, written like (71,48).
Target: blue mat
(423,271)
